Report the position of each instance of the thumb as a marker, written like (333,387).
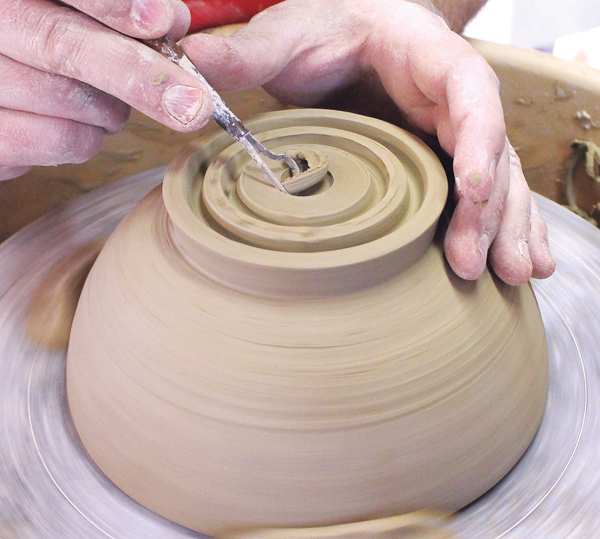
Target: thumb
(251,57)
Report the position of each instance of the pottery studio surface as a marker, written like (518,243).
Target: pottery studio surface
(52,487)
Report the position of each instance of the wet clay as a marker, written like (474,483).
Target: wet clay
(242,359)
(418,525)
(547,103)
(52,307)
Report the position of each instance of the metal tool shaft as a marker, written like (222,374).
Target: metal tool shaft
(223,115)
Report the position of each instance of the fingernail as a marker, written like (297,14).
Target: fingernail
(524,251)
(149,14)
(183,103)
(484,245)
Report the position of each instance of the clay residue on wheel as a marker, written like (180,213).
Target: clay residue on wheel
(52,307)
(424,524)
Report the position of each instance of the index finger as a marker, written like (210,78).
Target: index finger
(477,121)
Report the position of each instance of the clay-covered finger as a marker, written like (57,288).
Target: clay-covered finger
(56,39)
(32,139)
(476,120)
(509,255)
(28,89)
(474,226)
(447,88)
(539,249)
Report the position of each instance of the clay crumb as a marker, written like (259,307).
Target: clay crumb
(560,94)
(524,102)
(480,203)
(159,79)
(585,121)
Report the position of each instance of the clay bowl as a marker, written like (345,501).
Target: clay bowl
(244,359)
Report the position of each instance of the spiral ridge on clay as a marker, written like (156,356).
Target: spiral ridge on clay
(380,197)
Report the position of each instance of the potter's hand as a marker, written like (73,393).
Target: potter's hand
(302,50)
(67,78)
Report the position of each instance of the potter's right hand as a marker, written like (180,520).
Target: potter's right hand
(67,78)
(304,51)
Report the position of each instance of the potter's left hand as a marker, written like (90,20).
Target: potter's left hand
(303,50)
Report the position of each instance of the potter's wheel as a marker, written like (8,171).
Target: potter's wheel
(50,488)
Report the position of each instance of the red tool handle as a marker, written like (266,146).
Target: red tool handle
(210,13)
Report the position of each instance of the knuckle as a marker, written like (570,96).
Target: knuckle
(59,42)
(481,65)
(238,70)
(229,50)
(241,70)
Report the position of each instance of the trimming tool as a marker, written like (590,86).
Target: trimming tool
(223,115)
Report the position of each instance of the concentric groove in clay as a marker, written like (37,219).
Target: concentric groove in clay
(369,196)
(399,231)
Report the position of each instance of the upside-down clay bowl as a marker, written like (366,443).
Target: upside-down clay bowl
(242,358)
